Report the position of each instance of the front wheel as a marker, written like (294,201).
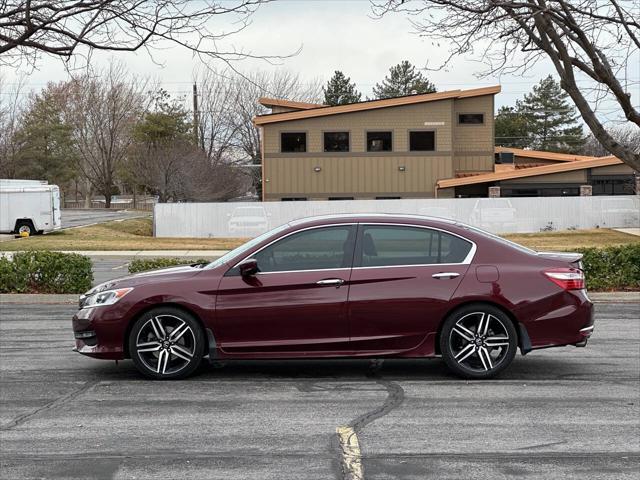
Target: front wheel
(478,341)
(166,343)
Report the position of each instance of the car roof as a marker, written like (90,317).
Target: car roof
(370,217)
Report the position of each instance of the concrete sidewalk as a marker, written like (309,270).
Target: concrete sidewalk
(630,231)
(67,299)
(139,253)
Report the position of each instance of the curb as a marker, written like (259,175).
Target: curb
(614,297)
(39,298)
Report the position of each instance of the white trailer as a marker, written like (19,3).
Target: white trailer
(31,206)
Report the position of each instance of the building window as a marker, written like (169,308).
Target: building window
(340,198)
(293,199)
(422,141)
(336,141)
(293,142)
(470,118)
(613,186)
(388,198)
(379,142)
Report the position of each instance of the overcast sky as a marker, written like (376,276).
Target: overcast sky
(333,35)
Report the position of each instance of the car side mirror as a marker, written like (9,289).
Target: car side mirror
(248,267)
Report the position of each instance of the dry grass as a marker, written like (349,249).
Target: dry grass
(130,234)
(571,239)
(135,234)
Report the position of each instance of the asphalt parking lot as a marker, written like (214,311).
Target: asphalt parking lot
(80,217)
(558,413)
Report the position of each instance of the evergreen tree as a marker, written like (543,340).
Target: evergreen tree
(552,122)
(511,128)
(403,79)
(340,90)
(46,149)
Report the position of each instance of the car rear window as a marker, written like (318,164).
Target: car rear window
(383,246)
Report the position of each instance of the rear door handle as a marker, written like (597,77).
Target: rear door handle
(445,275)
(330,282)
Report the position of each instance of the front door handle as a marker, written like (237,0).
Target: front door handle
(330,282)
(445,275)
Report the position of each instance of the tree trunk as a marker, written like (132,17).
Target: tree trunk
(87,195)
(626,154)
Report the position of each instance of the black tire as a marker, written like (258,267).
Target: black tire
(166,343)
(476,350)
(25,226)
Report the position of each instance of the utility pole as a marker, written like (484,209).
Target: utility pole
(196,114)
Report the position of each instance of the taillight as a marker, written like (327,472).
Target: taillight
(566,278)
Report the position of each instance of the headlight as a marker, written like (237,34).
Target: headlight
(108,297)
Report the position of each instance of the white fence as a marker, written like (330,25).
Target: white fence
(498,215)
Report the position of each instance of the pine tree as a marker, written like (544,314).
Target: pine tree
(511,128)
(403,79)
(552,122)
(340,90)
(46,150)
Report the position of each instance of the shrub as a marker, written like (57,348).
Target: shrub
(612,268)
(142,265)
(45,272)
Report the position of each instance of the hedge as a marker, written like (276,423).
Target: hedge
(142,265)
(612,268)
(45,272)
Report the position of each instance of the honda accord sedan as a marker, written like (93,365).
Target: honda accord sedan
(345,286)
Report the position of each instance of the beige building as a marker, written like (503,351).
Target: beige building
(404,147)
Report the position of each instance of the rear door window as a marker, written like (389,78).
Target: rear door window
(384,246)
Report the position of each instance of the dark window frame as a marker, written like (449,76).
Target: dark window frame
(294,132)
(460,114)
(324,141)
(366,138)
(424,130)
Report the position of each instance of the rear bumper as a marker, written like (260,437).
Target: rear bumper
(569,322)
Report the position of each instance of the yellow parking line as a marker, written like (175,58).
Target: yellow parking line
(351,456)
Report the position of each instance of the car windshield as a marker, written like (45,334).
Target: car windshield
(248,212)
(494,203)
(245,247)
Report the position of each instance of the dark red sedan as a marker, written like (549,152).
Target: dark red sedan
(345,286)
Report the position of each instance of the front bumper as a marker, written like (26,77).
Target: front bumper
(98,333)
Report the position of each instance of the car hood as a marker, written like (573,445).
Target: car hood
(163,274)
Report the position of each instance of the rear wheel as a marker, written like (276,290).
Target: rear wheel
(25,226)
(478,341)
(166,343)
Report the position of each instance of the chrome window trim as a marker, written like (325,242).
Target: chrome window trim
(467,260)
(314,227)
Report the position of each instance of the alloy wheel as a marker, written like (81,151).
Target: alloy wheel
(166,344)
(479,342)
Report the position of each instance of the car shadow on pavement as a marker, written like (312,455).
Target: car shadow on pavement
(530,368)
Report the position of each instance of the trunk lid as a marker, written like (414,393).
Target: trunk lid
(575,259)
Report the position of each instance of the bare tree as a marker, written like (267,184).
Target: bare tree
(628,135)
(584,39)
(10,120)
(29,28)
(229,102)
(103,111)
